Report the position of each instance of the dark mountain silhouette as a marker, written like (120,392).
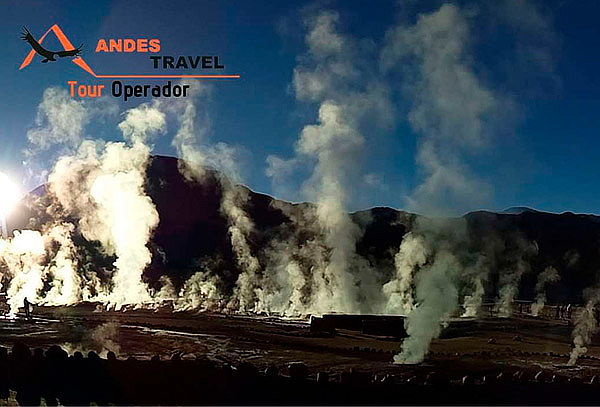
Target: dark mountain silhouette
(193,232)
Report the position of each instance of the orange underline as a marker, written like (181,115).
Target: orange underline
(167,76)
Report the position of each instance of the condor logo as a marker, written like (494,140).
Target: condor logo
(68,48)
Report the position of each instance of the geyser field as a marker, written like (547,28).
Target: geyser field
(141,255)
(476,313)
(162,262)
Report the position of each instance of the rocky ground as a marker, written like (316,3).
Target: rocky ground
(491,360)
(486,347)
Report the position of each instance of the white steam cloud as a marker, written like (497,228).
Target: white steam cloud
(113,209)
(33,259)
(586,325)
(331,74)
(102,185)
(517,259)
(60,127)
(452,108)
(437,298)
(197,157)
(411,256)
(425,288)
(474,276)
(60,119)
(456,114)
(548,276)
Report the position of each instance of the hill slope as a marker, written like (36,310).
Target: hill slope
(193,232)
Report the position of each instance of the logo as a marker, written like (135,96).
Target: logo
(49,55)
(128,45)
(68,48)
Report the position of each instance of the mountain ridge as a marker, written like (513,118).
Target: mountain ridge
(193,233)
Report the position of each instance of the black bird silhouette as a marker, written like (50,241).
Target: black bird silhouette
(48,55)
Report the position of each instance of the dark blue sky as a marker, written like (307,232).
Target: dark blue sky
(545,157)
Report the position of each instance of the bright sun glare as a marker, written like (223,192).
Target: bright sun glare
(10,194)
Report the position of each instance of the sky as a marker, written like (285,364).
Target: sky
(468,105)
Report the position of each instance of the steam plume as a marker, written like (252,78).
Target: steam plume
(61,119)
(201,292)
(23,256)
(33,259)
(294,259)
(451,111)
(510,276)
(586,325)
(331,75)
(59,128)
(103,184)
(437,296)
(66,282)
(452,108)
(411,256)
(197,155)
(432,257)
(549,275)
(475,276)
